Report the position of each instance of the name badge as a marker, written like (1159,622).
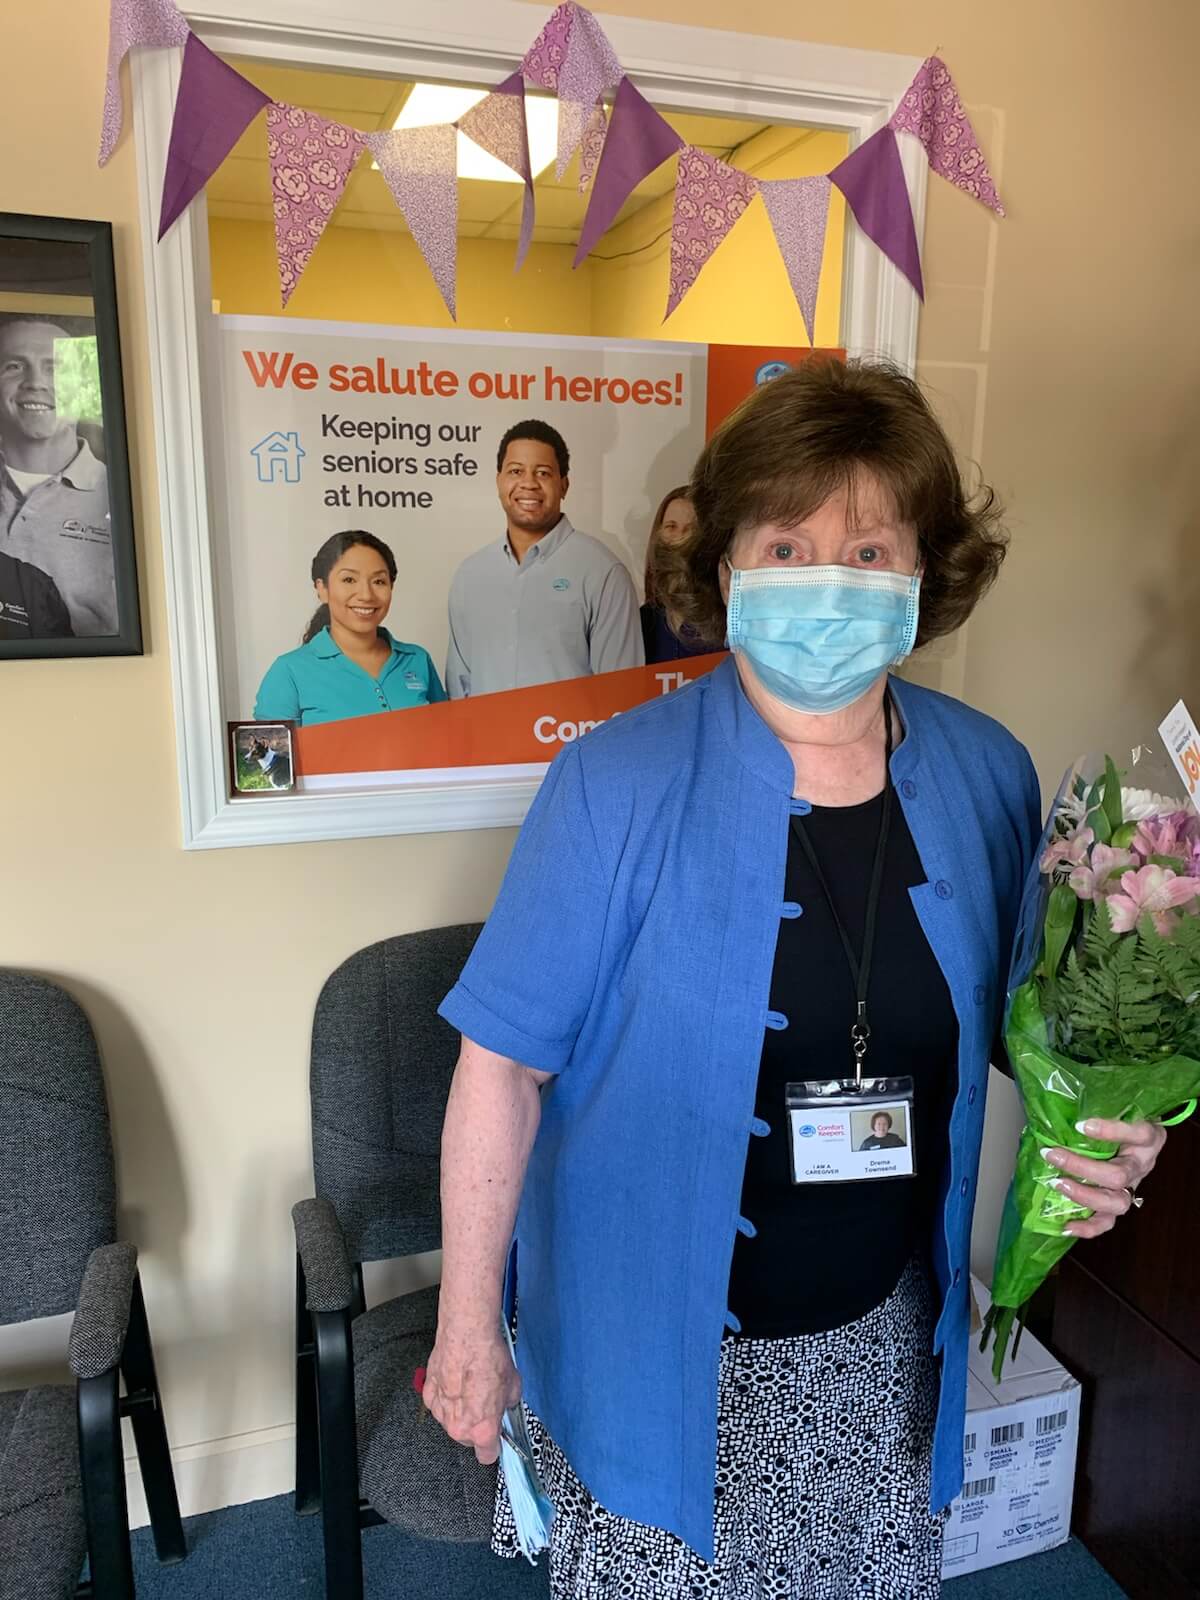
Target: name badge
(841,1132)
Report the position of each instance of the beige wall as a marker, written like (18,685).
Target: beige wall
(1064,346)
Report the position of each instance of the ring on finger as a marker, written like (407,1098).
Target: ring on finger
(1137,1200)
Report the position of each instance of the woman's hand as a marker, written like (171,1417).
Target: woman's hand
(1106,1187)
(470,1383)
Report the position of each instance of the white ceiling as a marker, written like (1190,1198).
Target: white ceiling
(240,189)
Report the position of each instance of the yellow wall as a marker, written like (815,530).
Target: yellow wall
(363,276)
(1064,346)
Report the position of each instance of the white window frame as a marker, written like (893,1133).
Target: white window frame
(673,64)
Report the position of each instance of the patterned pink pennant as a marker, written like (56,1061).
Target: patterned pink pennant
(544,59)
(931,109)
(130,23)
(311,158)
(592,147)
(590,71)
(709,199)
(497,125)
(798,208)
(419,166)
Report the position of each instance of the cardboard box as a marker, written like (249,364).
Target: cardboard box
(1019,1458)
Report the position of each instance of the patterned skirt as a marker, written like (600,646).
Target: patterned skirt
(824,1448)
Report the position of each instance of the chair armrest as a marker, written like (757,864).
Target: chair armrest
(321,1246)
(102,1315)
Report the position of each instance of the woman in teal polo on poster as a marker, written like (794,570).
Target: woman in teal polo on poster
(348,664)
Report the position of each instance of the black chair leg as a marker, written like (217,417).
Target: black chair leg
(143,1407)
(102,1470)
(339,1456)
(308,1460)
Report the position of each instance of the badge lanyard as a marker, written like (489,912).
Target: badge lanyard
(860,967)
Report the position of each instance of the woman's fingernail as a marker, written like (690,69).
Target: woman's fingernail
(1048,1153)
(1061,1185)
(1088,1127)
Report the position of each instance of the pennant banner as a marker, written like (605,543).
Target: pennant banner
(130,23)
(638,141)
(311,158)
(709,198)
(798,209)
(419,166)
(497,125)
(590,71)
(872,180)
(932,110)
(593,145)
(214,107)
(544,59)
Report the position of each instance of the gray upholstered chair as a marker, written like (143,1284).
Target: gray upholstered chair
(366,1451)
(62,1468)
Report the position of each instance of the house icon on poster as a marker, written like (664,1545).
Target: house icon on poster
(278,457)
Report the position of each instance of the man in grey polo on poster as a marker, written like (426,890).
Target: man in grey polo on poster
(546,602)
(53,492)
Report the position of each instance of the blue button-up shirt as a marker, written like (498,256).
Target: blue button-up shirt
(675,816)
(318,683)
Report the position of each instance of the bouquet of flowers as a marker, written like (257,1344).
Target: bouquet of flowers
(1102,1018)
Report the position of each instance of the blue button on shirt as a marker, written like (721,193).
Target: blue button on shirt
(675,815)
(317,683)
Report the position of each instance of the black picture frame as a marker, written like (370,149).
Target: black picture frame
(49,266)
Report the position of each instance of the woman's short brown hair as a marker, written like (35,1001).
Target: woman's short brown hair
(799,439)
(653,549)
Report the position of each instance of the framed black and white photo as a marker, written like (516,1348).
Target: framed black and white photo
(68,574)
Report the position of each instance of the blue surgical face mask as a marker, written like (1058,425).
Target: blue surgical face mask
(817,638)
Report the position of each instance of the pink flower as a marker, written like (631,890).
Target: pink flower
(1069,851)
(292,182)
(1098,877)
(1169,835)
(1150,891)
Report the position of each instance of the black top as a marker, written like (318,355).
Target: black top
(825,1254)
(30,604)
(662,643)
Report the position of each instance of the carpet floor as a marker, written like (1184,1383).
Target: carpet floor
(263,1551)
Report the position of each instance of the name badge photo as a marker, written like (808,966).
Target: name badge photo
(843,1133)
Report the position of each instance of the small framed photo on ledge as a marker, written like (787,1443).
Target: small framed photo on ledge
(261,760)
(68,573)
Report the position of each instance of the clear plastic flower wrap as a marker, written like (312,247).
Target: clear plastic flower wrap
(1102,1018)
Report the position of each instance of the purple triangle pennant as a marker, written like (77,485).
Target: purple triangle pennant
(497,125)
(932,111)
(544,59)
(709,198)
(419,166)
(638,141)
(133,22)
(590,71)
(214,107)
(798,209)
(872,180)
(311,159)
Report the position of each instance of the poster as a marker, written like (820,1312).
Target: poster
(395,431)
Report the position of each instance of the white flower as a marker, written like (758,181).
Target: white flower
(1138,804)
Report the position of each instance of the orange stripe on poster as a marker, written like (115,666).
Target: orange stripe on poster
(490,730)
(734,370)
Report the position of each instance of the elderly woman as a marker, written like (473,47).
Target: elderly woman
(730,915)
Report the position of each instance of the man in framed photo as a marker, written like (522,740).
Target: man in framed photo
(546,602)
(54,511)
(30,604)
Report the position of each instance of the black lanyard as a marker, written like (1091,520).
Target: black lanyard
(860,967)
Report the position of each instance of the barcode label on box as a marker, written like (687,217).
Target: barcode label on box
(969,1443)
(980,1487)
(1010,1433)
(1051,1424)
